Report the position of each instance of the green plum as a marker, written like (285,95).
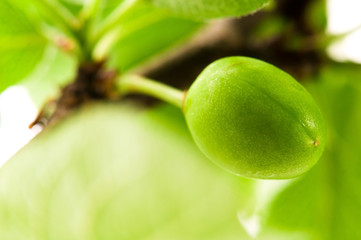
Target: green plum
(254,120)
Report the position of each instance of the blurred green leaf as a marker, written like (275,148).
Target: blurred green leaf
(114,173)
(13,21)
(55,70)
(318,15)
(271,28)
(74,6)
(325,203)
(148,32)
(205,9)
(21,46)
(108,6)
(16,64)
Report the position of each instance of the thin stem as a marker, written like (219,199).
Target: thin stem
(101,49)
(65,38)
(53,9)
(89,11)
(342,35)
(137,84)
(105,44)
(89,16)
(64,13)
(52,34)
(114,18)
(60,40)
(332,38)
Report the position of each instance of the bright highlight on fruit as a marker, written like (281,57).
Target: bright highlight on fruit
(247,116)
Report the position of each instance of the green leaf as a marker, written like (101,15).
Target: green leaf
(325,203)
(16,64)
(206,9)
(55,70)
(146,33)
(13,20)
(21,46)
(74,6)
(110,172)
(109,6)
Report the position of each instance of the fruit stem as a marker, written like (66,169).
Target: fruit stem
(131,83)
(114,19)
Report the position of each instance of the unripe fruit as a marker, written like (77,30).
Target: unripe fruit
(254,120)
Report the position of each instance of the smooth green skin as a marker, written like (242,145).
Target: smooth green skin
(254,120)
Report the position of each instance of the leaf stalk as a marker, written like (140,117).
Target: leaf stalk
(131,83)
